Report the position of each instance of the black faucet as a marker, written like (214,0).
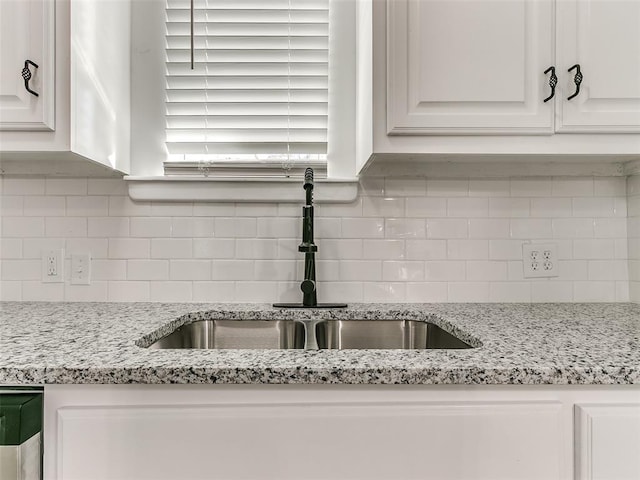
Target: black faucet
(308,285)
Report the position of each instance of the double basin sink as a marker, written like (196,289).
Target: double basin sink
(323,334)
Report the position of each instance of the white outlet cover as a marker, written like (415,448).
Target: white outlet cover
(53,259)
(540,260)
(81,269)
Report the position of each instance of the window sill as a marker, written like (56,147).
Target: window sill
(269,190)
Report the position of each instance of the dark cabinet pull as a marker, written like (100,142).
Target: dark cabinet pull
(26,74)
(553,81)
(577,79)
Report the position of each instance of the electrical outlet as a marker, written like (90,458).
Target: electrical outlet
(540,260)
(81,269)
(53,266)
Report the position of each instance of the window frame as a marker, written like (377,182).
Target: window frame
(148,152)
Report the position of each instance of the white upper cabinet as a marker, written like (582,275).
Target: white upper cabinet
(27,53)
(603,38)
(83,50)
(478,66)
(469,66)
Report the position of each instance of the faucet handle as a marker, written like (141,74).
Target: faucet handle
(308,286)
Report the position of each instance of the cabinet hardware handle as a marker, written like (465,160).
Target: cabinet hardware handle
(553,81)
(26,74)
(577,79)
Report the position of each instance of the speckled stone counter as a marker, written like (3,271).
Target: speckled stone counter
(46,343)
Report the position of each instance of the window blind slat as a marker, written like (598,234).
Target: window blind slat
(259,86)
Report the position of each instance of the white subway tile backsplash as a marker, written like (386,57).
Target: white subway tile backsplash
(23,186)
(361,270)
(97,247)
(10,290)
(66,186)
(128,291)
(129,248)
(384,292)
(467,249)
(169,209)
(445,270)
(232,269)
(264,248)
(171,248)
(192,227)
(594,291)
(405,228)
(488,228)
(22,227)
(108,227)
(150,227)
(447,187)
(170,292)
(10,248)
(108,269)
(362,227)
(467,207)
(65,227)
(214,291)
(481,270)
(466,292)
(486,187)
(214,248)
(531,187)
(190,270)
(96,292)
(510,292)
(125,207)
(427,292)
(426,249)
(106,186)
(572,187)
(426,207)
(509,207)
(531,228)
(383,206)
(551,291)
(42,206)
(235,227)
(36,291)
(87,206)
(12,206)
(410,239)
(148,270)
(572,227)
(551,207)
(393,271)
(447,228)
(610,186)
(381,250)
(21,269)
(405,187)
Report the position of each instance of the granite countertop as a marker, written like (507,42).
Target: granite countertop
(46,343)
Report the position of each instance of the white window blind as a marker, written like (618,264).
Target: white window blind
(257,93)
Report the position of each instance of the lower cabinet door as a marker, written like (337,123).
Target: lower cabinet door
(607,441)
(307,439)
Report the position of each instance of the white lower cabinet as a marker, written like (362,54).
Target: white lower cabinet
(318,432)
(607,441)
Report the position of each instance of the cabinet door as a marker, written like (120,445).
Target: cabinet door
(27,32)
(607,441)
(469,66)
(603,37)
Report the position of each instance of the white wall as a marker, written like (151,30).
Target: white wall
(404,239)
(633,189)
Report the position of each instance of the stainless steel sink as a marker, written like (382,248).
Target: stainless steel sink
(383,334)
(222,334)
(290,334)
